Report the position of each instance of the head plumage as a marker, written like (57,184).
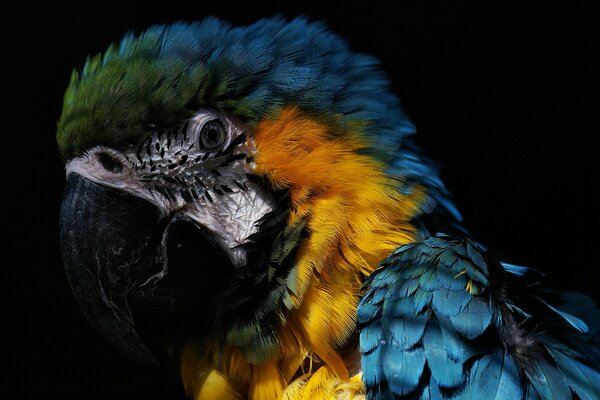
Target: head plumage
(164,75)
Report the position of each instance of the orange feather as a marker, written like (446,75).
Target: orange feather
(355,216)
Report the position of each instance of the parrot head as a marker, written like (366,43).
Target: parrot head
(137,221)
(240,182)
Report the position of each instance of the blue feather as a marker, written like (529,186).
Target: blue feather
(456,346)
(474,320)
(367,311)
(408,306)
(475,273)
(495,376)
(407,288)
(510,382)
(447,279)
(531,393)
(407,332)
(466,337)
(433,391)
(450,302)
(425,395)
(372,367)
(370,336)
(447,372)
(571,319)
(515,269)
(402,368)
(383,278)
(448,257)
(474,253)
(582,306)
(420,171)
(514,308)
(434,244)
(584,380)
(252,72)
(548,381)
(429,280)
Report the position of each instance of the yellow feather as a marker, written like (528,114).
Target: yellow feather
(235,365)
(267,382)
(325,385)
(355,216)
(216,386)
(195,365)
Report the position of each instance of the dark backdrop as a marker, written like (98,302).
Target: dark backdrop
(505,96)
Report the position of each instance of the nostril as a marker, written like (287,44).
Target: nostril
(110,163)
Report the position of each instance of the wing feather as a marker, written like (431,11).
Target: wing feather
(438,321)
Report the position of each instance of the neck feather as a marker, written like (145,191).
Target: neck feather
(354,215)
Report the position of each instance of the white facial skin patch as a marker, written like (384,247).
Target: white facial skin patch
(199,170)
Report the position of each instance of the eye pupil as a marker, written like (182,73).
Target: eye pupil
(212,135)
(110,163)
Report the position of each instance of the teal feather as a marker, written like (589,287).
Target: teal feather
(573,321)
(548,381)
(448,302)
(495,376)
(368,312)
(583,307)
(446,279)
(416,307)
(531,393)
(429,280)
(371,336)
(406,333)
(476,344)
(475,319)
(164,75)
(402,368)
(515,269)
(456,346)
(584,380)
(448,373)
(410,307)
(405,289)
(373,375)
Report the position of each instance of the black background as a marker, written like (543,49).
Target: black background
(505,96)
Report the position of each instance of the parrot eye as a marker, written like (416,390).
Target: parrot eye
(212,135)
(110,163)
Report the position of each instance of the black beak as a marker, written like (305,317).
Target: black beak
(106,240)
(120,253)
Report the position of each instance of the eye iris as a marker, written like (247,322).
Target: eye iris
(212,135)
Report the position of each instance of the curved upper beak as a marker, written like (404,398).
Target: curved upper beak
(108,242)
(119,252)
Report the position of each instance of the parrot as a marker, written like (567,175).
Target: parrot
(247,205)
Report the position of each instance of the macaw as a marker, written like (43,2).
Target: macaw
(247,205)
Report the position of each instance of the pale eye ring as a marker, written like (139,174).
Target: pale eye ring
(212,135)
